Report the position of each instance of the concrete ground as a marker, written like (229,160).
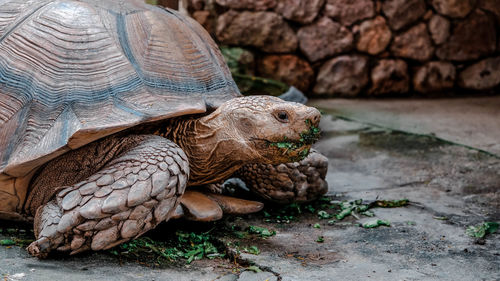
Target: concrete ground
(377,150)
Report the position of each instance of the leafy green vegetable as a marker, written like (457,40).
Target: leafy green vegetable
(7,242)
(390,203)
(375,223)
(316,225)
(307,138)
(440,218)
(189,246)
(324,215)
(368,213)
(320,239)
(254,268)
(344,213)
(252,250)
(482,230)
(262,231)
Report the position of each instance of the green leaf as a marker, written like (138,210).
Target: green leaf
(440,218)
(252,250)
(324,215)
(7,242)
(320,239)
(316,225)
(375,223)
(368,213)
(491,227)
(240,234)
(264,232)
(344,213)
(391,203)
(254,269)
(482,230)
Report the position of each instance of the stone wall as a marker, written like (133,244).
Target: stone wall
(350,48)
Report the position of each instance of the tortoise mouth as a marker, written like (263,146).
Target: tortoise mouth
(296,149)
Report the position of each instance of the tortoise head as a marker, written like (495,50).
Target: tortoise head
(271,130)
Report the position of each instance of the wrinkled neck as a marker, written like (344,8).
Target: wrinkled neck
(215,152)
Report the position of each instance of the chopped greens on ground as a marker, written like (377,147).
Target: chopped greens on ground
(390,203)
(480,231)
(189,246)
(375,223)
(320,239)
(262,231)
(20,237)
(333,211)
(254,268)
(251,250)
(7,242)
(440,218)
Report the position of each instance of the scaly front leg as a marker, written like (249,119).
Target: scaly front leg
(131,194)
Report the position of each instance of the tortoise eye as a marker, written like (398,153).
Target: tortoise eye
(282,116)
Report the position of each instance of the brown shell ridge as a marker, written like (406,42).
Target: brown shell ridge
(206,42)
(19,21)
(209,46)
(186,87)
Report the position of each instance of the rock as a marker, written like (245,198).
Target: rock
(453,8)
(413,44)
(401,13)
(289,69)
(471,38)
(374,36)
(300,11)
(434,76)
(439,28)
(256,5)
(389,77)
(264,30)
(348,12)
(482,75)
(323,39)
(195,5)
(342,76)
(491,6)
(294,95)
(206,19)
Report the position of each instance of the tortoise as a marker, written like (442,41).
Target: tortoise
(110,109)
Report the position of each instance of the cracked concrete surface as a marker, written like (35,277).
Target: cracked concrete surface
(450,187)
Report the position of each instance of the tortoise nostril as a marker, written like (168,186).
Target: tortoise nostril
(314,116)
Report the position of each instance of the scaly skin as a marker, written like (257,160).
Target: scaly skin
(119,187)
(301,181)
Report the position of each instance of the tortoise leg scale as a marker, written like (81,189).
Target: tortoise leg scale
(131,194)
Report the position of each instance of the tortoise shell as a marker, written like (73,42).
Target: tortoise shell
(72,72)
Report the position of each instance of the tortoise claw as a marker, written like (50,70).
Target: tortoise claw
(236,206)
(205,206)
(199,207)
